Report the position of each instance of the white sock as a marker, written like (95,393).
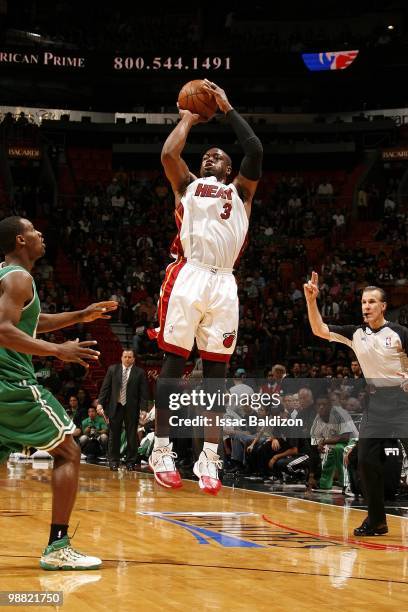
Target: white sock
(212,446)
(160,442)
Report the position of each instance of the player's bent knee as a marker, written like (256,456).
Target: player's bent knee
(68,449)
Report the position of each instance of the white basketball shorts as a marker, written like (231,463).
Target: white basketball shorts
(198,302)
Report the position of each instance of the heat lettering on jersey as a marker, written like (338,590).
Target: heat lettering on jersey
(212,191)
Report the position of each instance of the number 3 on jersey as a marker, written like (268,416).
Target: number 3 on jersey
(227,210)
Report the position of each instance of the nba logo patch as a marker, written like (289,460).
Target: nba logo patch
(388,341)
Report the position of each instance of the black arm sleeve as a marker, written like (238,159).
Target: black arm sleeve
(251,165)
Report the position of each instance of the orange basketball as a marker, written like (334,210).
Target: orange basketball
(196,99)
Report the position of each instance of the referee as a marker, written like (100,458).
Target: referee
(381,348)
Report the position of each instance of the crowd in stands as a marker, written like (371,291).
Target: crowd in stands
(302,449)
(125,230)
(273,326)
(18,128)
(119,237)
(309,436)
(315,446)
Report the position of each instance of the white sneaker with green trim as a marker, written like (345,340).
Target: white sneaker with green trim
(61,556)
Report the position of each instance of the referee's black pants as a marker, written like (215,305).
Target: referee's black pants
(371,459)
(386,419)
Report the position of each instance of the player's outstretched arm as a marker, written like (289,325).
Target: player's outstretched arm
(251,166)
(51,322)
(174,165)
(311,289)
(17,291)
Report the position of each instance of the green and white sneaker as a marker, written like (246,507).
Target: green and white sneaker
(61,556)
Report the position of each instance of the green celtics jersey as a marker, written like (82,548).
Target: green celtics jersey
(19,366)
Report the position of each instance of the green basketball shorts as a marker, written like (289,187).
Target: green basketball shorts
(30,416)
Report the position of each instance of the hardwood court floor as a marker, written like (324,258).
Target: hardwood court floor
(183,550)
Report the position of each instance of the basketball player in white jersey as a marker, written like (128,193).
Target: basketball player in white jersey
(198,299)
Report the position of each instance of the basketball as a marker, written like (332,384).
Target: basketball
(196,99)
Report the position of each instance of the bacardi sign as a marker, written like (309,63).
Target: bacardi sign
(395,154)
(23,152)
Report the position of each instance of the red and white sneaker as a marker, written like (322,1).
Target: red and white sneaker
(164,469)
(206,469)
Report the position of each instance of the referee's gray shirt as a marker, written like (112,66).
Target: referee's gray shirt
(381,353)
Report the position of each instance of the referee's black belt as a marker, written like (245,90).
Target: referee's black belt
(396,388)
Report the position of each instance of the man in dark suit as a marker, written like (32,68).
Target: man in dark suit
(123,393)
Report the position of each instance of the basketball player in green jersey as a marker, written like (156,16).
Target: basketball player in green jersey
(29,414)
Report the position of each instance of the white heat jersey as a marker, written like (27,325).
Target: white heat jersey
(212,223)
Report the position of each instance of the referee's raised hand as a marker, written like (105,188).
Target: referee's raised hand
(311,288)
